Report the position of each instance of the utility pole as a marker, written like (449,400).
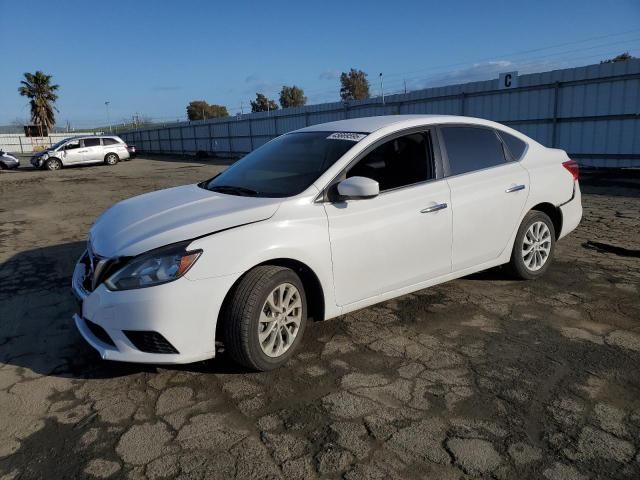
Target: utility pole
(405,86)
(106,104)
(382,89)
(241,108)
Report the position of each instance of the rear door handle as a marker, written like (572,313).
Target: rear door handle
(515,188)
(434,208)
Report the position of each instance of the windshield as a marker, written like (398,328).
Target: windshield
(283,167)
(57,145)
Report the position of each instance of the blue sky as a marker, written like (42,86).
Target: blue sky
(153,57)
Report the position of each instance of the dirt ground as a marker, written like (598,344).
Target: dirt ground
(483,377)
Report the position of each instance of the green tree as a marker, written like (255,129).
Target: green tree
(201,110)
(292,97)
(623,57)
(263,104)
(37,87)
(354,85)
(217,111)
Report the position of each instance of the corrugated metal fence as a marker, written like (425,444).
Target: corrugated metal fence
(592,112)
(17,143)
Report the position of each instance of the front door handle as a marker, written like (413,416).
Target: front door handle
(515,188)
(434,208)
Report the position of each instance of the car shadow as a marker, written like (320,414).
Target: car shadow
(177,158)
(495,274)
(36,329)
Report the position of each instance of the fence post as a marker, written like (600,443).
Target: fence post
(463,96)
(229,139)
(306,119)
(250,135)
(210,139)
(20,140)
(556,92)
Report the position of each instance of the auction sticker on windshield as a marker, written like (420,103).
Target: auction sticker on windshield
(352,136)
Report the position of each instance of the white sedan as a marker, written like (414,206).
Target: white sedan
(314,224)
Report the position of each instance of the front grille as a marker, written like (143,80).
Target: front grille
(99,332)
(149,342)
(98,269)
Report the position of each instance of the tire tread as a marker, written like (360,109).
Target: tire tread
(245,300)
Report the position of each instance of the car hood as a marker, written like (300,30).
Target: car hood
(42,152)
(155,219)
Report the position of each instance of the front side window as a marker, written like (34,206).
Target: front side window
(399,162)
(472,148)
(91,142)
(72,145)
(283,167)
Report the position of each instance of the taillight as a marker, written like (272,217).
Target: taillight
(573,167)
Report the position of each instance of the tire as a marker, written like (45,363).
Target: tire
(111,159)
(53,164)
(537,236)
(247,316)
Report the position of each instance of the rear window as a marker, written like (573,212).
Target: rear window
(472,148)
(109,141)
(515,145)
(91,142)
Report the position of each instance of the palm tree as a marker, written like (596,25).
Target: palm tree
(41,93)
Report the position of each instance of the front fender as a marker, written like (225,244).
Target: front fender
(304,239)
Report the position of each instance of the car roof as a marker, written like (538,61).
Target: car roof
(371,124)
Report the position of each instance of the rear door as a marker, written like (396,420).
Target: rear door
(488,193)
(92,151)
(402,236)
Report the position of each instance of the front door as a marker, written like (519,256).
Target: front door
(72,152)
(399,238)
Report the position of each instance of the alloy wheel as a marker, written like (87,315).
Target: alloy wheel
(280,320)
(536,246)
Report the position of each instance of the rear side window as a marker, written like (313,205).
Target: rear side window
(109,141)
(472,148)
(91,142)
(515,145)
(399,162)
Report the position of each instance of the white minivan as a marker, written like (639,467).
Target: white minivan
(108,149)
(314,224)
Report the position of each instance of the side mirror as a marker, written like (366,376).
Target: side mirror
(358,187)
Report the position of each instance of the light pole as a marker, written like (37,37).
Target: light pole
(106,104)
(382,89)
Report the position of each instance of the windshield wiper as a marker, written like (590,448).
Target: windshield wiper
(233,190)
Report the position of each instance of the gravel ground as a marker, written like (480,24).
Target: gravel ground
(480,377)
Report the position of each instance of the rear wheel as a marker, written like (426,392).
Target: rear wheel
(111,159)
(53,164)
(534,246)
(265,318)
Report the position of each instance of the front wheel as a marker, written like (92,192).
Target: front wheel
(53,164)
(111,159)
(534,246)
(265,318)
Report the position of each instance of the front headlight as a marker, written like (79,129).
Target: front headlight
(154,268)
